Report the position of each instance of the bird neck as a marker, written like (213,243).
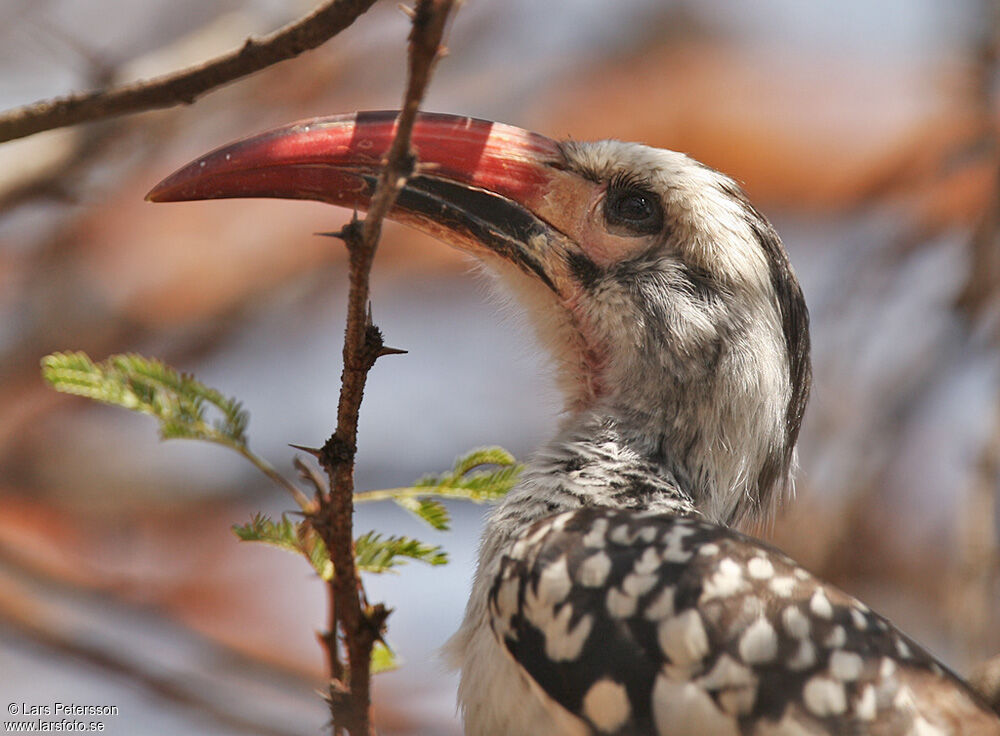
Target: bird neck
(596,459)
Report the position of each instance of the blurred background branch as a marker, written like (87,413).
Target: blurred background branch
(185,86)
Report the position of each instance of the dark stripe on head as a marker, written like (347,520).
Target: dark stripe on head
(583,269)
(794,325)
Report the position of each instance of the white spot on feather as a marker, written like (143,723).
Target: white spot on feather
(739,701)
(795,622)
(620,535)
(824,697)
(903,648)
(647,534)
(593,571)
(727,580)
(727,673)
(636,585)
(865,708)
(662,606)
(819,604)
(596,537)
(846,666)
(536,536)
(554,583)
(683,639)
(606,705)
(559,523)
(836,638)
(887,668)
(782,586)
(672,550)
(519,550)
(620,605)
(759,643)
(760,568)
(735,685)
(649,562)
(562,644)
(684,709)
(804,657)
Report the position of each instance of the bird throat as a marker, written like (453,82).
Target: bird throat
(594,462)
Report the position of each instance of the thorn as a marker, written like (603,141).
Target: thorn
(408,11)
(442,52)
(369,321)
(338,234)
(386,350)
(310,475)
(311,450)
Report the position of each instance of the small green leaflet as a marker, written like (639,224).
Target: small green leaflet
(482,485)
(152,387)
(375,553)
(383,658)
(372,551)
(466,480)
(291,536)
(431,511)
(179,401)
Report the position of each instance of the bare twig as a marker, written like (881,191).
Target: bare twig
(187,85)
(361,624)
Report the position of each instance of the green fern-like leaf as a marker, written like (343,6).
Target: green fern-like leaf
(290,536)
(428,509)
(262,528)
(185,407)
(464,481)
(482,456)
(181,403)
(378,554)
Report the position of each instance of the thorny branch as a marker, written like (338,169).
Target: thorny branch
(187,85)
(359,623)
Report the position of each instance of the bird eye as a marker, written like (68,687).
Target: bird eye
(634,209)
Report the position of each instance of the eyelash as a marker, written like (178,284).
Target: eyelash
(629,180)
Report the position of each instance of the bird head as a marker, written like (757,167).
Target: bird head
(664,297)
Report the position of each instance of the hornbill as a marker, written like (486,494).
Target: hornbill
(612,595)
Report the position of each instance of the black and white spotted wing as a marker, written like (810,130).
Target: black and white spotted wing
(650,624)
